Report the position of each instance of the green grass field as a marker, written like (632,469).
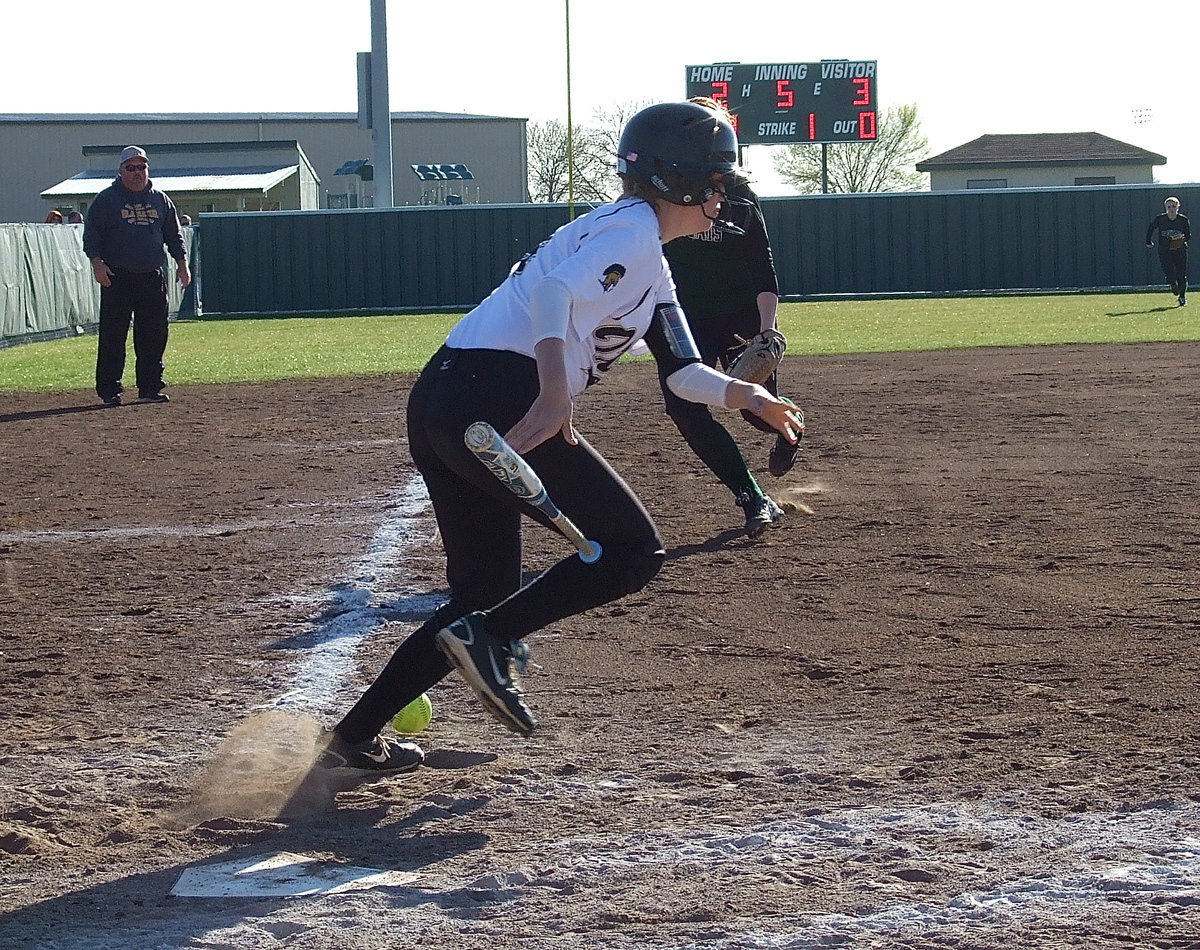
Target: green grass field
(218,351)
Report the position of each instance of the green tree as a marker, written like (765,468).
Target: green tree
(887,163)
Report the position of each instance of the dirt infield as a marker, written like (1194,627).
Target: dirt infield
(951,702)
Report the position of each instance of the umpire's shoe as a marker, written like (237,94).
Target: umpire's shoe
(374,755)
(761,513)
(490,667)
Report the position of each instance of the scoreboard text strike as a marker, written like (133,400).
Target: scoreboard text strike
(784,103)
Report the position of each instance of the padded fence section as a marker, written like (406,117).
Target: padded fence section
(46,283)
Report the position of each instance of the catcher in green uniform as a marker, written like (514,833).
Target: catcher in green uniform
(725,279)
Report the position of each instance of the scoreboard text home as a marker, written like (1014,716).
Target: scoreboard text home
(786,103)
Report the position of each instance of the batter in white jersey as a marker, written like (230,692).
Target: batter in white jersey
(560,319)
(610,262)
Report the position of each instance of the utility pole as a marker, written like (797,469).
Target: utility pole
(381,110)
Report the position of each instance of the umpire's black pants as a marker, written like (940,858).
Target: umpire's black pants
(144,298)
(480,523)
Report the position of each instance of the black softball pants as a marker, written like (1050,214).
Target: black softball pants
(142,297)
(480,523)
(705,436)
(1174,266)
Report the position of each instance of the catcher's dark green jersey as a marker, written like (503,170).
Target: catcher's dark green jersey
(718,274)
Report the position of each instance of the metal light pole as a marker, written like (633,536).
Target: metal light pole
(570,125)
(381,110)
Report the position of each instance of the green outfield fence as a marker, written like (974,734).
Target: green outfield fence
(412,259)
(955,242)
(417,259)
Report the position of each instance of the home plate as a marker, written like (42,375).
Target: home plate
(282,875)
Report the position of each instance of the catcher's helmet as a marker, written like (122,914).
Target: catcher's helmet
(674,148)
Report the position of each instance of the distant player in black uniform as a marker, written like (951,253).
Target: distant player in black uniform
(518,360)
(1174,232)
(728,288)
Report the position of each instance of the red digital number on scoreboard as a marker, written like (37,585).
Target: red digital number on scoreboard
(720,95)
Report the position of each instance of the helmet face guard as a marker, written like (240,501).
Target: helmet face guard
(728,201)
(680,150)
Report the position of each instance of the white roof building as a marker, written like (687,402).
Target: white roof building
(208,176)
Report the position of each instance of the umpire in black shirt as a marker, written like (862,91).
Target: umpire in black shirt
(126,229)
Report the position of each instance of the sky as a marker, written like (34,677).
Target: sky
(1016,66)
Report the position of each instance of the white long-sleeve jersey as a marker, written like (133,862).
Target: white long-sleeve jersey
(611,261)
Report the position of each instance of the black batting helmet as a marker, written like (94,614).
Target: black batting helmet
(674,149)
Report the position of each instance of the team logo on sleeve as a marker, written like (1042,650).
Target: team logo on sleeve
(612,276)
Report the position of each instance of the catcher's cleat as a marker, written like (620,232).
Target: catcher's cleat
(782,456)
(490,668)
(761,513)
(783,453)
(374,755)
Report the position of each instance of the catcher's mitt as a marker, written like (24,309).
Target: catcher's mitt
(760,358)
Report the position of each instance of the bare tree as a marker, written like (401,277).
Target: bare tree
(595,167)
(884,164)
(592,178)
(610,122)
(595,151)
(547,161)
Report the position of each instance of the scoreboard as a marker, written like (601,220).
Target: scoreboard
(785,103)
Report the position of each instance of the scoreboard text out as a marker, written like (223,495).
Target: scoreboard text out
(785,103)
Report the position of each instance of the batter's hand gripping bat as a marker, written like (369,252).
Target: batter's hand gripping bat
(517,476)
